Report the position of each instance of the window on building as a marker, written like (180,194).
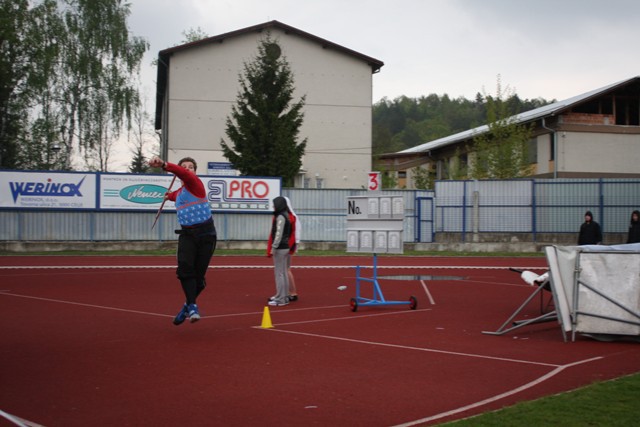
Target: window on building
(464,160)
(552,147)
(306,183)
(627,111)
(319,182)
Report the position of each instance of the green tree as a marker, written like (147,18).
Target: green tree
(406,122)
(27,53)
(188,36)
(263,127)
(456,168)
(12,17)
(501,152)
(194,34)
(141,135)
(100,60)
(73,73)
(423,179)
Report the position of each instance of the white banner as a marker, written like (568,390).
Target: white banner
(146,192)
(120,191)
(47,190)
(135,191)
(242,193)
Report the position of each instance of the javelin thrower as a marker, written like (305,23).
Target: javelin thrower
(197,234)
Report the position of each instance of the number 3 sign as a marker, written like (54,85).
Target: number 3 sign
(374,181)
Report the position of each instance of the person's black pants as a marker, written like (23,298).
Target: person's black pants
(194,255)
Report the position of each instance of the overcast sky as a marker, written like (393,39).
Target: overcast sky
(540,48)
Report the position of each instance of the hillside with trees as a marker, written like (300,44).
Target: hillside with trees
(407,122)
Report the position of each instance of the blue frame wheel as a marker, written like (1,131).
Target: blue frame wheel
(354,304)
(413,302)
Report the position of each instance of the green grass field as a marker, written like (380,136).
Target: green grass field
(610,403)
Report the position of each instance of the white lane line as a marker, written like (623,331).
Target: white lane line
(86,305)
(428,350)
(352,317)
(431,267)
(216,316)
(426,290)
(526,386)
(20,422)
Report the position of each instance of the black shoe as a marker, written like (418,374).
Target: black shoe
(293,297)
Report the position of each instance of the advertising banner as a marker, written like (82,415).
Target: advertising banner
(120,191)
(47,190)
(242,193)
(146,192)
(135,191)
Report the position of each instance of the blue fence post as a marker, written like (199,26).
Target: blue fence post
(601,203)
(418,222)
(464,211)
(534,221)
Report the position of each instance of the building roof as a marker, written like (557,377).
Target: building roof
(164,56)
(526,117)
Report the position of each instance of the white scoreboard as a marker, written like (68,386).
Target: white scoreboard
(375,224)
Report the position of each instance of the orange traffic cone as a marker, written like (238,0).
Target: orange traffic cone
(266,319)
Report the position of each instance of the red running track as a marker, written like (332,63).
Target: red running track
(89,341)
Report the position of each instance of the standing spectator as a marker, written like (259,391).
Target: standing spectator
(295,238)
(278,247)
(590,232)
(634,228)
(197,235)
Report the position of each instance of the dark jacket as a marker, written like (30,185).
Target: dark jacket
(281,226)
(634,229)
(590,232)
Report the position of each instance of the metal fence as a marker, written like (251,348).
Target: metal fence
(322,215)
(458,209)
(538,207)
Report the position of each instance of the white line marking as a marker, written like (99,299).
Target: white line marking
(20,422)
(426,290)
(530,384)
(428,350)
(103,307)
(86,305)
(444,267)
(352,317)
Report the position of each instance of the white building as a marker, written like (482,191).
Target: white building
(199,82)
(592,135)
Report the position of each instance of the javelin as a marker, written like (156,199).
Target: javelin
(163,202)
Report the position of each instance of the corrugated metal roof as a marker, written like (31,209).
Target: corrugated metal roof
(527,116)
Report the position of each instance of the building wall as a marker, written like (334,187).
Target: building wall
(598,153)
(544,155)
(203,85)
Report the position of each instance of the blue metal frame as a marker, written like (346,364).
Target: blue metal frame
(419,218)
(378,297)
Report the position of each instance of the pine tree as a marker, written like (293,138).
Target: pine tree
(263,127)
(139,163)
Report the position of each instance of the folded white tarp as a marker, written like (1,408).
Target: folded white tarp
(596,288)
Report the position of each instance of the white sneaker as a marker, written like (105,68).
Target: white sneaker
(275,303)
